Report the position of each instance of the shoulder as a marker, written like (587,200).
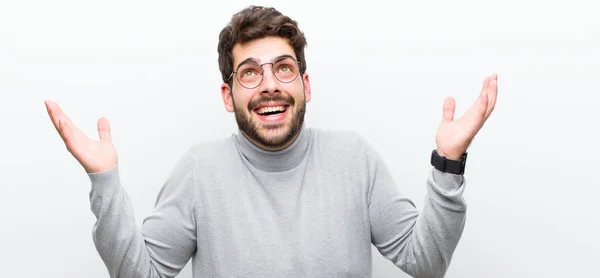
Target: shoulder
(214,147)
(201,153)
(213,151)
(340,142)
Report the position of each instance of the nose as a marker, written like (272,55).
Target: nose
(270,83)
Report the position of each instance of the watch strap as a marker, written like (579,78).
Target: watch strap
(448,165)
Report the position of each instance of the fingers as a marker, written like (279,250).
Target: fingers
(482,102)
(59,119)
(492,92)
(66,129)
(449,108)
(104,129)
(52,112)
(477,111)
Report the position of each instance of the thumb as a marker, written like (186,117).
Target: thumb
(104,129)
(449,106)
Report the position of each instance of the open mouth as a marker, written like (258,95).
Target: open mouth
(273,110)
(272,113)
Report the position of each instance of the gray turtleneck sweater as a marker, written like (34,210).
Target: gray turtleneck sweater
(310,210)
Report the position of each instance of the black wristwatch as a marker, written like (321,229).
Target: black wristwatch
(448,165)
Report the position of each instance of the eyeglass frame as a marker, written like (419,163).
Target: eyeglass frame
(262,74)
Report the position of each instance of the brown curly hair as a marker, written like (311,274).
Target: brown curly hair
(255,22)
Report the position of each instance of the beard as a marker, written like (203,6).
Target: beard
(272,136)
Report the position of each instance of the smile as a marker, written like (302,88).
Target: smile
(272,113)
(271,110)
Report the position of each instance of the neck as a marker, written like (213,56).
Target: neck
(278,159)
(271,148)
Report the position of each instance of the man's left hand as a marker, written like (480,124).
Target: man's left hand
(455,135)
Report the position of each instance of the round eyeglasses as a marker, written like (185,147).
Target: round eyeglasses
(250,74)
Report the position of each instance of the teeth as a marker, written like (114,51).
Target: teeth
(270,109)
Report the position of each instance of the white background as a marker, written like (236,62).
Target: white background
(380,69)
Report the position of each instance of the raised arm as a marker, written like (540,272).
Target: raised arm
(167,239)
(422,243)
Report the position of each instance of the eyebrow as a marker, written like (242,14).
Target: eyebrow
(251,60)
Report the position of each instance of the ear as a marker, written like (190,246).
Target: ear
(307,93)
(227,98)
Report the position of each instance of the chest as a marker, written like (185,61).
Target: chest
(299,223)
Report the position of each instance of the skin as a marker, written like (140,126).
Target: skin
(454,135)
(237,98)
(452,139)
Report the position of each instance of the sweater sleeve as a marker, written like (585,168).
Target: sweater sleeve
(167,238)
(419,243)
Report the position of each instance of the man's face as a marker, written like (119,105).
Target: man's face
(270,115)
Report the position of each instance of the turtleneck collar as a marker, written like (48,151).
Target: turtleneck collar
(275,161)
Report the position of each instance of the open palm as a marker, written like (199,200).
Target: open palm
(455,135)
(95,156)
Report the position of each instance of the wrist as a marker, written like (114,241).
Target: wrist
(450,155)
(448,165)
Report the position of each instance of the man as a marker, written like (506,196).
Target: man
(278,199)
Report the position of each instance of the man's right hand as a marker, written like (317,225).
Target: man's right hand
(94,156)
